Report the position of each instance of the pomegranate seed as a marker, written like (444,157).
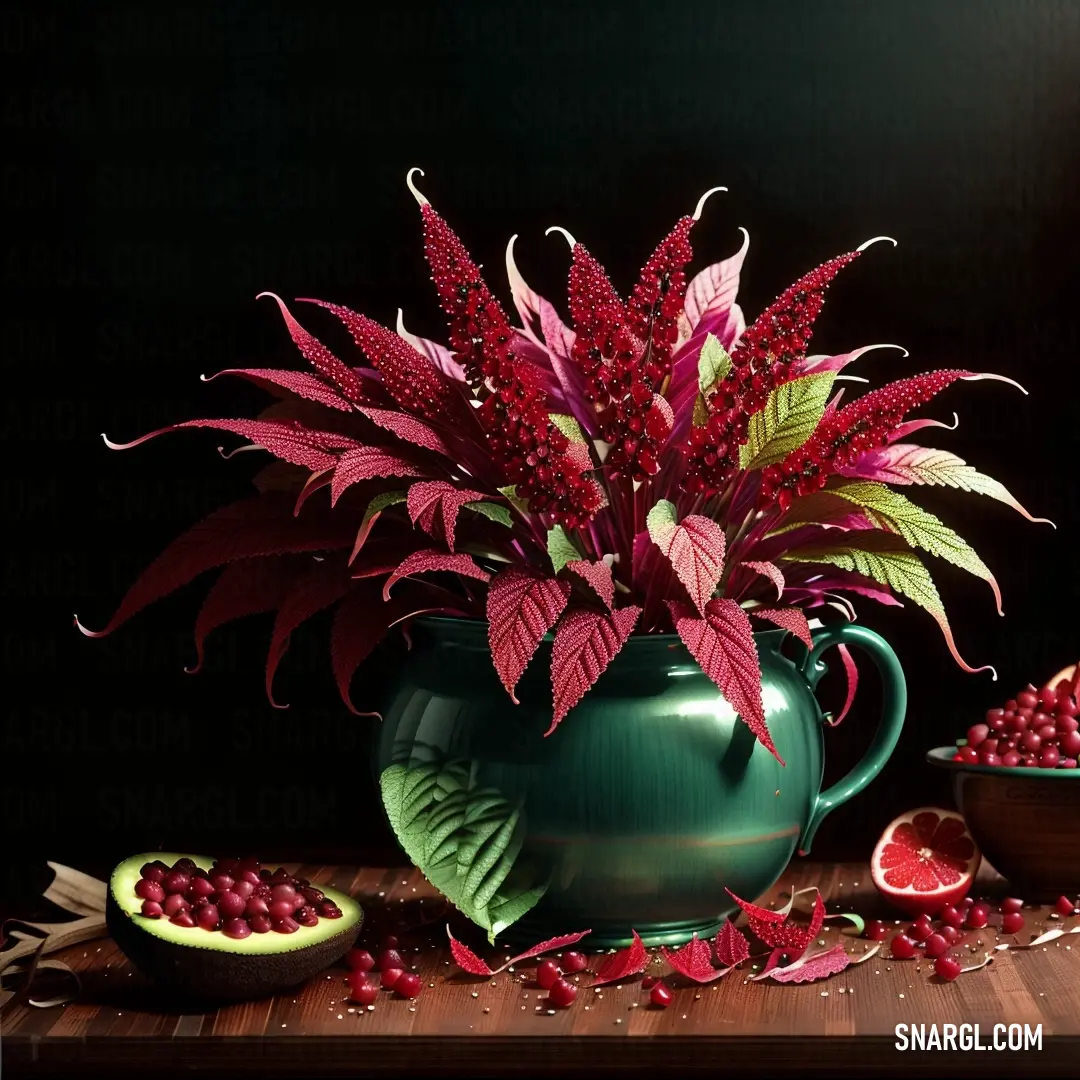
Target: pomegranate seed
(281,909)
(977,734)
(282,891)
(221,880)
(950,934)
(562,994)
(1048,733)
(967,902)
(997,724)
(409,985)
(299,902)
(989,759)
(389,958)
(547,973)
(359,960)
(173,904)
(1027,699)
(1064,906)
(876,930)
(902,947)
(1048,698)
(649,982)
(947,967)
(366,993)
(995,714)
(183,918)
(313,896)
(263,892)
(1011,904)
(329,910)
(951,916)
(145,889)
(988,746)
(201,886)
(1012,922)
(920,931)
(152,909)
(255,906)
(1068,763)
(977,917)
(208,916)
(287,925)
(968,754)
(153,871)
(185,865)
(307,916)
(176,881)
(390,977)
(1010,759)
(1050,758)
(1031,741)
(1010,705)
(231,904)
(1065,707)
(236,928)
(1070,743)
(243,888)
(574,961)
(936,945)
(661,996)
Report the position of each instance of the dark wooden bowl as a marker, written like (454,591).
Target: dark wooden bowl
(1025,821)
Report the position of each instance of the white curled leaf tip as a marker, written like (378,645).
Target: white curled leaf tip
(83,630)
(703,200)
(558,228)
(996,378)
(418,195)
(850,378)
(873,240)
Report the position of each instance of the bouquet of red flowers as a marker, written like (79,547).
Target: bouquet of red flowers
(655,465)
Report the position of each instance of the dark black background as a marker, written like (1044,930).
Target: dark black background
(162,164)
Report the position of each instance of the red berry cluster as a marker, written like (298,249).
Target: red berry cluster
(625,351)
(863,425)
(236,896)
(389,968)
(531,451)
(762,361)
(1036,729)
(934,940)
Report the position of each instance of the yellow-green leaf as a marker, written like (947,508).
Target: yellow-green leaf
(918,527)
(713,363)
(568,426)
(792,412)
(885,558)
(561,549)
(514,499)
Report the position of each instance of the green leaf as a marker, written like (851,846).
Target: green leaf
(492,511)
(381,502)
(713,363)
(662,518)
(561,549)
(792,412)
(568,426)
(514,499)
(887,559)
(918,527)
(465,839)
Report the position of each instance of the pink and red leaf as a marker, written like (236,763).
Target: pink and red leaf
(621,965)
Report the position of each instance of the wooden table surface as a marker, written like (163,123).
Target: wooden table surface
(120,1027)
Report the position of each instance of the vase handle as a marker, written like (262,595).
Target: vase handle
(893,709)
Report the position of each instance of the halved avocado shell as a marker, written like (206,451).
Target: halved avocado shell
(207,964)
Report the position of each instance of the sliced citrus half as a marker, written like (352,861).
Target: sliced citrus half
(925,860)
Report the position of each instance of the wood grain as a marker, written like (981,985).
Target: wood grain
(486,1026)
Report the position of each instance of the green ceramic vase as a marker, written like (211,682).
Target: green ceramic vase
(651,798)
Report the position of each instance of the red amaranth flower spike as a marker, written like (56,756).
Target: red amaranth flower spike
(533,453)
(861,425)
(409,377)
(320,357)
(761,361)
(521,608)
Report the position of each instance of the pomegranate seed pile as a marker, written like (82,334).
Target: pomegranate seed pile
(941,940)
(237,897)
(1036,729)
(389,967)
